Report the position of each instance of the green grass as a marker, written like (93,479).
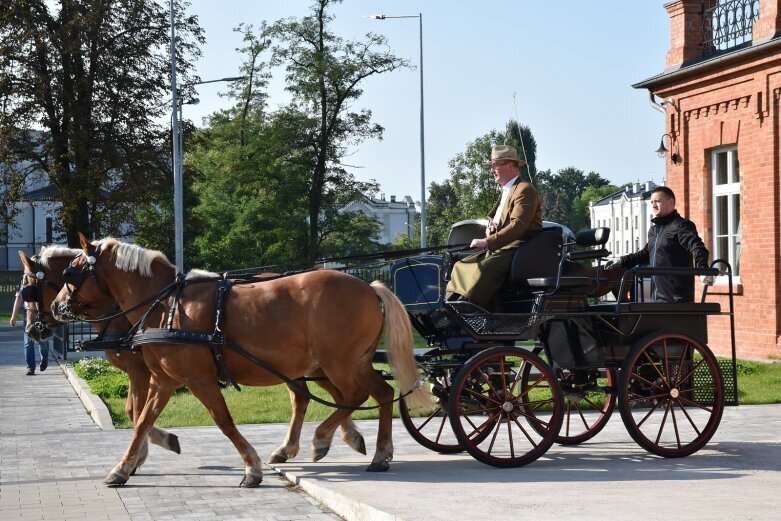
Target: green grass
(758,383)
(250,405)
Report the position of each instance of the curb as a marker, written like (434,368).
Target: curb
(341,505)
(92,402)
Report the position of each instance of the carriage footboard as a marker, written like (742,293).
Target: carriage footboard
(484,325)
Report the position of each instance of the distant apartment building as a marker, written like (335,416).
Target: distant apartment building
(397,216)
(627,213)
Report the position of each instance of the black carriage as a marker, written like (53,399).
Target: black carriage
(553,364)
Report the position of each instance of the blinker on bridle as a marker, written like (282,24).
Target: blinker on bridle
(73,276)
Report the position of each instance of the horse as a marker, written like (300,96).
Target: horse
(44,273)
(315,321)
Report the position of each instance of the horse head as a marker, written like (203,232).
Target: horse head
(82,293)
(41,283)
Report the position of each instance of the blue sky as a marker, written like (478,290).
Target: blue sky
(569,66)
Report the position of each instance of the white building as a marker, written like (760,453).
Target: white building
(628,215)
(33,225)
(397,217)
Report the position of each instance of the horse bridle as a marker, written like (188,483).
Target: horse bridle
(75,277)
(32,294)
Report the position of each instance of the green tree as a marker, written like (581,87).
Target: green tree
(581,207)
(324,74)
(81,83)
(560,191)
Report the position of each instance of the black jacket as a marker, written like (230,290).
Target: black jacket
(673,242)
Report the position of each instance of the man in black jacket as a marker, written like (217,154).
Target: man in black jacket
(672,242)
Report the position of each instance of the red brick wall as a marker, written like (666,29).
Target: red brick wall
(735,103)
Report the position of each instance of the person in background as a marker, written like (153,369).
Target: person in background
(515,216)
(672,242)
(29,343)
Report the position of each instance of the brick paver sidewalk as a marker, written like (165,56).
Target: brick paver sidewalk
(53,460)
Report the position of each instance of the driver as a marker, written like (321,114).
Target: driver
(515,216)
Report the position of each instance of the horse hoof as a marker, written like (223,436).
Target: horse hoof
(318,454)
(116,478)
(378,466)
(277,457)
(172,442)
(133,473)
(251,481)
(361,447)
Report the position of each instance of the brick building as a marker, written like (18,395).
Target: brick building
(720,94)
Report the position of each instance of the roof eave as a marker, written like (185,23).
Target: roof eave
(690,68)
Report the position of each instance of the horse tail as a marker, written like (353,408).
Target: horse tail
(398,342)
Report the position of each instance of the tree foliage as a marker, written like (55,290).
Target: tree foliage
(81,83)
(324,74)
(561,192)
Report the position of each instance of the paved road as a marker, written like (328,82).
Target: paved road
(53,459)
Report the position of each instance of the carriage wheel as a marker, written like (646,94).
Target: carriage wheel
(431,428)
(671,394)
(589,401)
(489,407)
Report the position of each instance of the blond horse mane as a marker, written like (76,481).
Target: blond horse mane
(56,251)
(132,258)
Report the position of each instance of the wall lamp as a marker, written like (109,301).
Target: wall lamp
(662,150)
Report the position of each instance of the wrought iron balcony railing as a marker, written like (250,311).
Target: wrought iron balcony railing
(728,24)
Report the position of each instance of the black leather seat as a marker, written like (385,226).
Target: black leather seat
(538,256)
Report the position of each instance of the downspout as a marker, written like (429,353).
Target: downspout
(655,105)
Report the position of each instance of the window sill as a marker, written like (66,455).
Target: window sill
(723,289)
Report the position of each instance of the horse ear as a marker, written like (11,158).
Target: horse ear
(85,244)
(28,264)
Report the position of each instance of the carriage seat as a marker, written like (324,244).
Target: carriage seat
(538,256)
(584,238)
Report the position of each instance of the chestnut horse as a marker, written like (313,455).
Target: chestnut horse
(317,321)
(46,276)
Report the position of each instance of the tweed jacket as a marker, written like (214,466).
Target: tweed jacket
(521,216)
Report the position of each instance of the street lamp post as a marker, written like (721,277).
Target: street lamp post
(178,162)
(178,146)
(419,16)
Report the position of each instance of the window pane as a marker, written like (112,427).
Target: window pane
(722,248)
(736,214)
(721,168)
(721,215)
(735,167)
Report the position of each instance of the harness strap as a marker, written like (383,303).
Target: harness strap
(179,281)
(217,342)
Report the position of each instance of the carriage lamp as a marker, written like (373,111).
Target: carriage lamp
(662,150)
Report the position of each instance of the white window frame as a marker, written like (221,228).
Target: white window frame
(728,190)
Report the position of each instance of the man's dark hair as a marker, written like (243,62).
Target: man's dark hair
(665,190)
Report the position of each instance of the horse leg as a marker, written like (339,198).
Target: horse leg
(208,392)
(290,446)
(139,375)
(348,392)
(382,393)
(350,433)
(299,403)
(160,390)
